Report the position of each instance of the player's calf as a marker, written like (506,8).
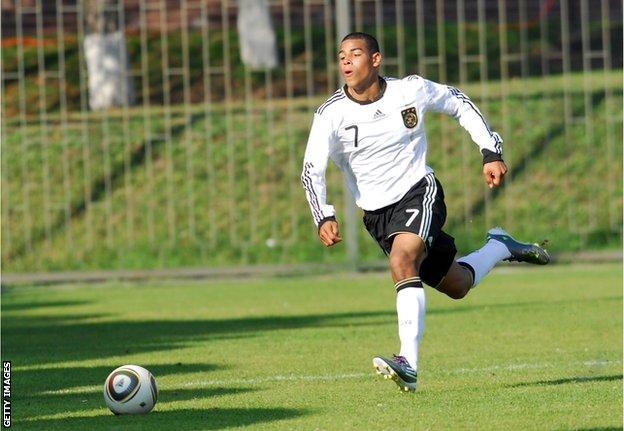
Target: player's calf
(457,282)
(501,246)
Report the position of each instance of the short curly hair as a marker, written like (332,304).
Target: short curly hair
(371,42)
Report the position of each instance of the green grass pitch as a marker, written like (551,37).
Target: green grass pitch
(530,348)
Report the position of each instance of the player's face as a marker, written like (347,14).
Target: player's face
(358,66)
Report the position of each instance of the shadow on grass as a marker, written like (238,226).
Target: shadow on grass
(30,407)
(73,389)
(66,378)
(578,379)
(183,419)
(40,340)
(39,345)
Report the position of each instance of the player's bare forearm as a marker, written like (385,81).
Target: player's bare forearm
(494,173)
(329,234)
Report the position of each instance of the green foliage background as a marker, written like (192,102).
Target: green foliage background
(218,183)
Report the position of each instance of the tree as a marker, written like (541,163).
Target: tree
(107,60)
(256,34)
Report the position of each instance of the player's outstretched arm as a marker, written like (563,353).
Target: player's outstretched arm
(329,233)
(494,172)
(451,101)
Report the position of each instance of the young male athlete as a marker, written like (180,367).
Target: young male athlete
(373,129)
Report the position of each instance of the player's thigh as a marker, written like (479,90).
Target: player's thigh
(421,211)
(409,246)
(407,249)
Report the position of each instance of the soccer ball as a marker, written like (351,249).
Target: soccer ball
(130,390)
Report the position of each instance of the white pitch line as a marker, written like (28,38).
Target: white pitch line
(287,378)
(329,377)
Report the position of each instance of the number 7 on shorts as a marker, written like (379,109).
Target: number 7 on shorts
(414,212)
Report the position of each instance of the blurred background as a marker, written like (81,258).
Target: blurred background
(170,133)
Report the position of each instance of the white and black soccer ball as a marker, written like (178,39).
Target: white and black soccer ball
(130,390)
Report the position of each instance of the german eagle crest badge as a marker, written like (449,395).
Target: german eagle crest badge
(410,119)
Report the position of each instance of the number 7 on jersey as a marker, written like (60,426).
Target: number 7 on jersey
(355,139)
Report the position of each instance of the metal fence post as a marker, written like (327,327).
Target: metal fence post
(343,27)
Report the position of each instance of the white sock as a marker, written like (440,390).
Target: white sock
(411,318)
(483,260)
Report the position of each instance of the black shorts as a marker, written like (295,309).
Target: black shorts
(421,211)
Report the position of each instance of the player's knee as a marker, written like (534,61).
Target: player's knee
(402,261)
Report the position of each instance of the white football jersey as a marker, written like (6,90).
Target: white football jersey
(381,146)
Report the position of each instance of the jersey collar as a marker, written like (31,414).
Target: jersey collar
(382,90)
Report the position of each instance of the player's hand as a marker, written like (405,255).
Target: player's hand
(494,172)
(329,233)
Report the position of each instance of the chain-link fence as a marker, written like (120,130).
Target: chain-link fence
(196,160)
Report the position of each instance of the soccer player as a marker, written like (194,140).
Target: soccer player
(373,129)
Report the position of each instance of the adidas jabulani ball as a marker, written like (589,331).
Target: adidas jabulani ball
(130,390)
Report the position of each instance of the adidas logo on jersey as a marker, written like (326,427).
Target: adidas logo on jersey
(379,115)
